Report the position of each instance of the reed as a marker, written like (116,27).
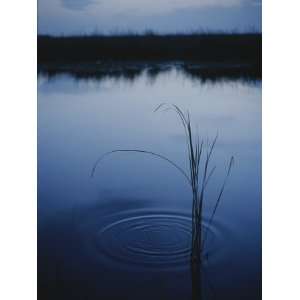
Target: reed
(196,176)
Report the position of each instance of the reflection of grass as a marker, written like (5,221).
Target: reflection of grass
(197,180)
(132,70)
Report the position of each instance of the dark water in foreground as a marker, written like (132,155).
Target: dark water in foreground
(125,234)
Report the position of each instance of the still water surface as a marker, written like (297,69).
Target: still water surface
(125,234)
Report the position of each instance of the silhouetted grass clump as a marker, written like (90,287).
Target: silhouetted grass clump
(197,177)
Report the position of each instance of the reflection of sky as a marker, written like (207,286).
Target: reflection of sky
(86,16)
(80,119)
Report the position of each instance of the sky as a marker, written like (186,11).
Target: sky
(65,17)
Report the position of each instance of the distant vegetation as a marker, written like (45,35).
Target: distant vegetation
(219,48)
(201,56)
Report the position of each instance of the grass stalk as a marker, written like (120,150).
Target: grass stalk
(196,179)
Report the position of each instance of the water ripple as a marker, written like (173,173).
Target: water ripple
(145,239)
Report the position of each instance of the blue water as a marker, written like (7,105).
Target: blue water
(125,233)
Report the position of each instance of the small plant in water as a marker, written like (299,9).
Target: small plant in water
(197,180)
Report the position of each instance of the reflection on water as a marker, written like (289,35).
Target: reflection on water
(131,71)
(125,234)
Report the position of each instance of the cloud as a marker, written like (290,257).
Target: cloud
(86,16)
(77,4)
(147,7)
(255,2)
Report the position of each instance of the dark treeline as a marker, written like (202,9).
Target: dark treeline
(224,48)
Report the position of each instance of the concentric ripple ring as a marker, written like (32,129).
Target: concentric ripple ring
(157,240)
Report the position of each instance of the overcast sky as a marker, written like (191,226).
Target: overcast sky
(107,16)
